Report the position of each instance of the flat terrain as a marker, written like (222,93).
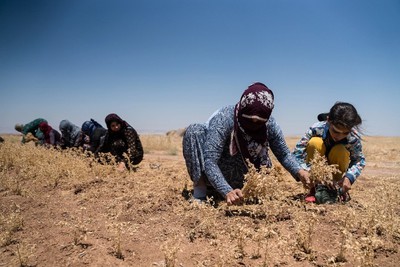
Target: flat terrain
(63,209)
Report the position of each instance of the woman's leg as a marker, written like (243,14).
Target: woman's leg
(192,142)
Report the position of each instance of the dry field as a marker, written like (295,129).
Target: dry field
(64,209)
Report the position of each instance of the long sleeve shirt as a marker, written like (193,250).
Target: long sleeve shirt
(352,143)
(216,147)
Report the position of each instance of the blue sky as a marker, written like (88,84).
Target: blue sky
(162,65)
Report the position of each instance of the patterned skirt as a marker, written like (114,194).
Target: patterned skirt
(232,167)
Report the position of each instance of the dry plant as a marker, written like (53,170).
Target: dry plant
(9,225)
(239,234)
(20,164)
(117,245)
(263,237)
(24,253)
(376,225)
(263,184)
(266,194)
(390,225)
(170,248)
(203,219)
(274,229)
(321,172)
(304,236)
(170,144)
(347,222)
(80,231)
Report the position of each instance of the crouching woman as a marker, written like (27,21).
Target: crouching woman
(121,138)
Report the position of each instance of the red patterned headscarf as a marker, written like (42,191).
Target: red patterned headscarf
(251,116)
(45,128)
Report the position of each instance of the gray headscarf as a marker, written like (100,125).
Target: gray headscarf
(70,133)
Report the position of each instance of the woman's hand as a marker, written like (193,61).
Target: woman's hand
(234,197)
(121,166)
(305,178)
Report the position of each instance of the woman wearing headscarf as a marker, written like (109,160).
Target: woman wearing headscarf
(30,131)
(96,134)
(216,151)
(122,138)
(71,135)
(51,137)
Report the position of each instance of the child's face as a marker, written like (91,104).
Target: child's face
(115,126)
(338,132)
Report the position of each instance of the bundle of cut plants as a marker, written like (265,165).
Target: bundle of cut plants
(322,178)
(263,192)
(262,184)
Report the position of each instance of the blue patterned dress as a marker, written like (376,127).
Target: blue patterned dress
(206,151)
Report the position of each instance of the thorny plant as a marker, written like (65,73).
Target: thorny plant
(119,230)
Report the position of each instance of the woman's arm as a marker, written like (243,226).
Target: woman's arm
(280,149)
(134,146)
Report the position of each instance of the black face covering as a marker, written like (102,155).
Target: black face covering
(251,126)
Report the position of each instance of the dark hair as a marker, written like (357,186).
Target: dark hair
(344,114)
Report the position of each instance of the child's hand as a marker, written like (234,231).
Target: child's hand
(345,184)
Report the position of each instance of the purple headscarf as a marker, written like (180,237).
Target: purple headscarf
(251,115)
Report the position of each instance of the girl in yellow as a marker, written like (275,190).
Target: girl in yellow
(337,138)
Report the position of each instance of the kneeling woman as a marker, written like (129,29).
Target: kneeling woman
(52,138)
(216,151)
(122,138)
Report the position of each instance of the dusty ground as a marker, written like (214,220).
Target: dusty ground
(56,214)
